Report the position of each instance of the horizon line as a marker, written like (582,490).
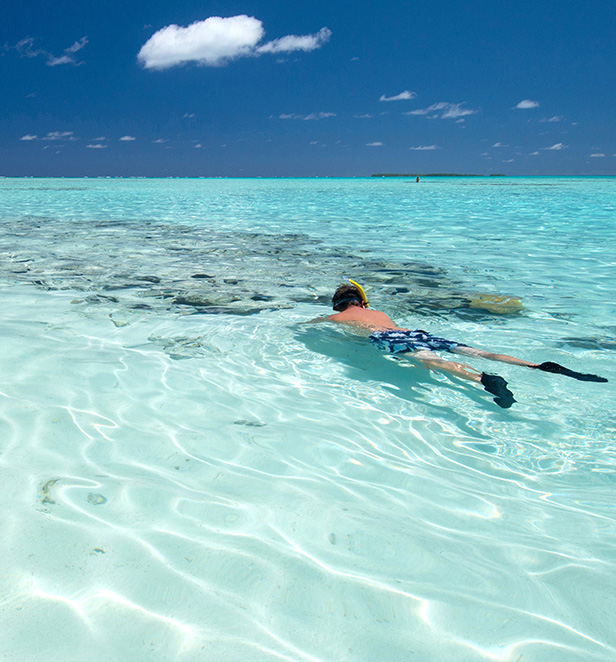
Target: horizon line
(371,176)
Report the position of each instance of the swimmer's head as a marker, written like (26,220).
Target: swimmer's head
(345,296)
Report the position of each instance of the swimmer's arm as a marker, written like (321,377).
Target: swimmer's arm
(316,320)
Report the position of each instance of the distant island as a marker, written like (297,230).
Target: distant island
(433,174)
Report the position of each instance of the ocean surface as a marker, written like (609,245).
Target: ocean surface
(189,472)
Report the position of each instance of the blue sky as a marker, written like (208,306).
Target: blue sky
(272,88)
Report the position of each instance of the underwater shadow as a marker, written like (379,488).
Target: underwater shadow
(363,362)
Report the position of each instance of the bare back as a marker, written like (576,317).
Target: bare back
(366,318)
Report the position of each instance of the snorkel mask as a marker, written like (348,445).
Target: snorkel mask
(360,289)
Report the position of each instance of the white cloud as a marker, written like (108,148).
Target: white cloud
(319,116)
(307,42)
(455,110)
(534,154)
(499,144)
(374,144)
(127,138)
(96,146)
(211,42)
(507,160)
(556,118)
(25,48)
(99,138)
(403,96)
(525,104)
(311,116)
(363,117)
(216,40)
(28,136)
(160,140)
(557,147)
(442,105)
(63,59)
(424,148)
(77,46)
(444,110)
(597,154)
(188,115)
(198,146)
(60,135)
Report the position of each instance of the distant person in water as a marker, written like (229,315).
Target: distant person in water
(417,178)
(351,306)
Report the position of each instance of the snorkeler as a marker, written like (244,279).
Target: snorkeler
(351,306)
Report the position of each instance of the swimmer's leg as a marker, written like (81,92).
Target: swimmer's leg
(547,366)
(493,384)
(431,361)
(482,354)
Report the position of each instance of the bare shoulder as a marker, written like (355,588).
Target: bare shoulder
(366,317)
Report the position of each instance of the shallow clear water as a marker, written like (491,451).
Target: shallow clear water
(189,473)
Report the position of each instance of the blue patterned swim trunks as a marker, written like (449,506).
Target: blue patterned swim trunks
(397,341)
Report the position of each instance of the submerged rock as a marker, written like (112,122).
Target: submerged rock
(251,268)
(249,424)
(183,347)
(101,298)
(203,301)
(590,343)
(118,324)
(494,303)
(228,310)
(96,499)
(46,496)
(121,286)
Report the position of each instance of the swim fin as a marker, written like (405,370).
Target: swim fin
(498,386)
(548,366)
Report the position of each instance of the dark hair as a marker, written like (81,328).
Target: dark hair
(344,296)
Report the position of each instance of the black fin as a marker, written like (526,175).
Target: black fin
(498,386)
(549,366)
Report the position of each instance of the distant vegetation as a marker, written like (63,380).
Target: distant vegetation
(431,174)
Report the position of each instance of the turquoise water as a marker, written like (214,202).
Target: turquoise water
(189,473)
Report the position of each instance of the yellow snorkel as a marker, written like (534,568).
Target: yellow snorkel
(364,298)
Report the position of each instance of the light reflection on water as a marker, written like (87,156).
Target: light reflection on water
(187,466)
